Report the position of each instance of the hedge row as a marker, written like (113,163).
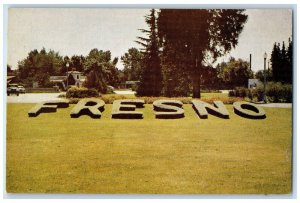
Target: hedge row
(109,99)
(82,92)
(275,92)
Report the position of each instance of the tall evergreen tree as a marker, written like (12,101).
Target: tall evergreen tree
(151,79)
(289,67)
(275,61)
(282,62)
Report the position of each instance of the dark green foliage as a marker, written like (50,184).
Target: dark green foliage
(77,63)
(248,110)
(75,92)
(175,73)
(38,66)
(132,65)
(197,34)
(276,92)
(151,79)
(203,108)
(260,75)
(91,107)
(234,73)
(8,69)
(47,107)
(125,109)
(168,109)
(100,70)
(239,92)
(231,93)
(282,62)
(209,79)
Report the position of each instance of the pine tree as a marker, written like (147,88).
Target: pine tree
(289,67)
(151,80)
(282,63)
(275,61)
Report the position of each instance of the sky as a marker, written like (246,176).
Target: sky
(75,31)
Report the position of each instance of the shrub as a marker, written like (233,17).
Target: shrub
(239,92)
(75,92)
(210,91)
(134,87)
(109,99)
(275,92)
(231,93)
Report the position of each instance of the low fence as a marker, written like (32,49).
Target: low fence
(41,90)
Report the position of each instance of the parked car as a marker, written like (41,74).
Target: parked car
(12,89)
(21,89)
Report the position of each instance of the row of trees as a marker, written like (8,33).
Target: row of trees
(179,45)
(226,75)
(178,49)
(282,62)
(281,67)
(98,66)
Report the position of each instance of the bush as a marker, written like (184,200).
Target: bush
(109,99)
(75,92)
(210,91)
(240,92)
(134,87)
(231,93)
(275,92)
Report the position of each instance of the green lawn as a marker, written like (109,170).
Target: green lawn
(53,153)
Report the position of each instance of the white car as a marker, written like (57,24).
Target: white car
(21,89)
(12,89)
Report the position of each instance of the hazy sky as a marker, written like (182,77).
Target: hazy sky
(77,31)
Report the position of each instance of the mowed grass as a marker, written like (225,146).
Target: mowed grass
(53,153)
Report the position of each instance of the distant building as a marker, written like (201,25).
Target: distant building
(75,78)
(253,83)
(129,84)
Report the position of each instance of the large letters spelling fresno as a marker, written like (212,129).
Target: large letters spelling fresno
(164,109)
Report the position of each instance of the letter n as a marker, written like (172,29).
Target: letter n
(90,106)
(203,108)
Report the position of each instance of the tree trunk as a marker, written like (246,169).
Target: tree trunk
(196,83)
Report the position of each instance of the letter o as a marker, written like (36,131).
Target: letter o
(248,110)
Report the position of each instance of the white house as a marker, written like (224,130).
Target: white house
(75,78)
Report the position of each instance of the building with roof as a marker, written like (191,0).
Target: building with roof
(10,79)
(73,78)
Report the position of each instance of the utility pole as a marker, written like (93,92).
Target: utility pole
(250,61)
